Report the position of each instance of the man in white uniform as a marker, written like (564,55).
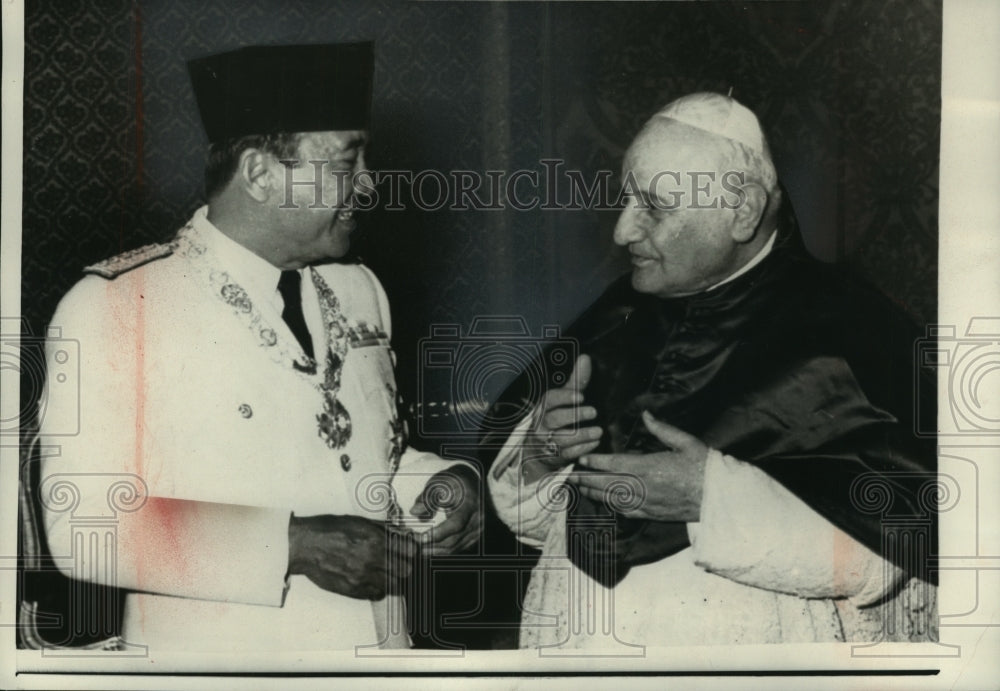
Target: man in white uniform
(237,403)
(740,394)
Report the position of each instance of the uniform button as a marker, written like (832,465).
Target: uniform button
(345,462)
(245,410)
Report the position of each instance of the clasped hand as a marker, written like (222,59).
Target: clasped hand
(367,559)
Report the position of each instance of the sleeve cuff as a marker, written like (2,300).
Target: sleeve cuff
(511,455)
(248,554)
(755,531)
(415,470)
(206,551)
(527,509)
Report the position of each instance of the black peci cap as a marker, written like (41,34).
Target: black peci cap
(272,89)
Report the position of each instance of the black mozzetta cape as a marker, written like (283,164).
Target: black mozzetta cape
(792,367)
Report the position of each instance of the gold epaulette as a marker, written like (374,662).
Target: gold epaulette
(126,261)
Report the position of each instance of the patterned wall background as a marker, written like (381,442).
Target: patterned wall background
(848,91)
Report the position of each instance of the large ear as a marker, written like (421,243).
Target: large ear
(750,211)
(253,174)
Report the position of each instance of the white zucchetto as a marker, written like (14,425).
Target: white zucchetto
(719,115)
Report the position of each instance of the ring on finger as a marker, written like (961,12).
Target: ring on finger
(551,448)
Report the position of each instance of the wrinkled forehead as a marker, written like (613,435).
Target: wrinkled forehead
(665,144)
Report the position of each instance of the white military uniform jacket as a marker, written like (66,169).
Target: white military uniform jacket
(191,387)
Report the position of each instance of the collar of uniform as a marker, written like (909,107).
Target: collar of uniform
(258,276)
(757,259)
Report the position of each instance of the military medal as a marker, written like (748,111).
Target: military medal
(334,425)
(334,421)
(398,427)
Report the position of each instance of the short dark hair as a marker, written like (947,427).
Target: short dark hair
(224,156)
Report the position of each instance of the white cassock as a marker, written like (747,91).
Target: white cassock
(188,390)
(763,567)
